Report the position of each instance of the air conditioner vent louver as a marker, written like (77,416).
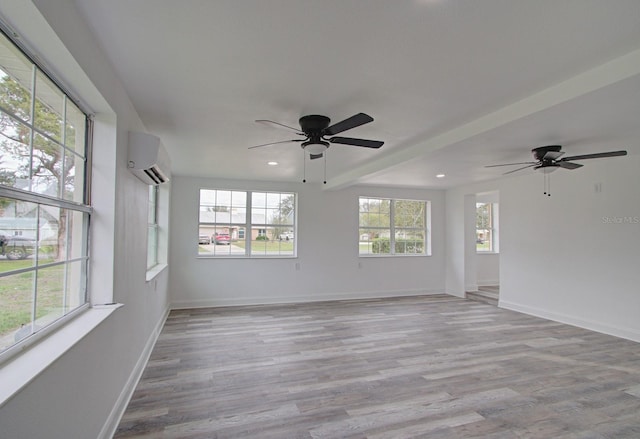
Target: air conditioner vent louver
(148,160)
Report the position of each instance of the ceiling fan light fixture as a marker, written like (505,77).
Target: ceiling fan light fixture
(548,169)
(317,147)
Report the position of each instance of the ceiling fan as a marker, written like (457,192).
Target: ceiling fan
(547,159)
(314,131)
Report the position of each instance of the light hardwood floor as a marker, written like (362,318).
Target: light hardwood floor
(418,367)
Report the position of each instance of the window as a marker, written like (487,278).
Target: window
(152,228)
(44,215)
(487,227)
(247,223)
(393,227)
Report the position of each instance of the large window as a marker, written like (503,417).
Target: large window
(390,227)
(487,227)
(44,214)
(246,223)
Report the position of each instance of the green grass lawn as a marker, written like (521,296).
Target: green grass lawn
(16,293)
(268,246)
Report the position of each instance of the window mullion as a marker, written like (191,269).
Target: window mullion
(392,225)
(247,224)
(33,124)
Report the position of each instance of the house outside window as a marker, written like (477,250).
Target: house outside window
(487,227)
(44,212)
(391,227)
(247,223)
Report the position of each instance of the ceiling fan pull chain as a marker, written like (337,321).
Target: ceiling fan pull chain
(325,167)
(304,167)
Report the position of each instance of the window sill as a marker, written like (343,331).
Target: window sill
(26,366)
(247,257)
(155,270)
(403,255)
(487,253)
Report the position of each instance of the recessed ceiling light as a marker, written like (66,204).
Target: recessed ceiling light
(440,176)
(272,163)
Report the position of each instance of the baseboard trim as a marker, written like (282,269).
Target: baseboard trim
(488,283)
(625,333)
(113,420)
(223,302)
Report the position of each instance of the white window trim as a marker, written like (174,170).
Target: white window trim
(392,238)
(248,226)
(495,231)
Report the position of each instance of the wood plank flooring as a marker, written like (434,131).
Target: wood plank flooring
(416,367)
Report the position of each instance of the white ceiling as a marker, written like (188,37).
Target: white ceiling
(452,85)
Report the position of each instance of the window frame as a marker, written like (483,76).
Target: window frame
(152,228)
(247,227)
(493,229)
(76,250)
(393,228)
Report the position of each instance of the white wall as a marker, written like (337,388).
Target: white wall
(327,252)
(487,269)
(79,396)
(559,257)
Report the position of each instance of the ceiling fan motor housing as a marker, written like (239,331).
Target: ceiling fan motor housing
(539,152)
(314,125)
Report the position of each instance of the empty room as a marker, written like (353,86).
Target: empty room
(319,219)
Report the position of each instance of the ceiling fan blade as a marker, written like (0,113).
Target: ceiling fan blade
(595,156)
(273,124)
(520,169)
(552,155)
(357,142)
(275,143)
(569,165)
(512,164)
(315,156)
(351,122)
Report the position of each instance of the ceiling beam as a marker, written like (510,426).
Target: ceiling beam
(606,74)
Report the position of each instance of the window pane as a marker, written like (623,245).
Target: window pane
(46,167)
(375,212)
(75,234)
(75,129)
(409,241)
(50,303)
(409,213)
(152,213)
(483,227)
(16,304)
(49,109)
(73,177)
(75,291)
(152,245)
(14,153)
(15,83)
(52,225)
(18,231)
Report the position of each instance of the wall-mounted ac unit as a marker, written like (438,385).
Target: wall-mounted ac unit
(148,160)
